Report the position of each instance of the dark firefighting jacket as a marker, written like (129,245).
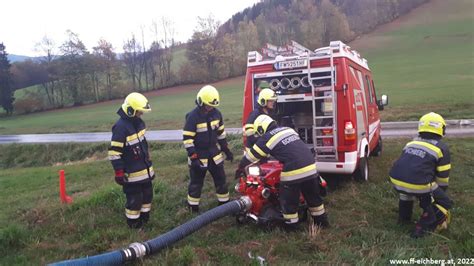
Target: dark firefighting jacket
(248,130)
(423,166)
(201,134)
(128,149)
(284,144)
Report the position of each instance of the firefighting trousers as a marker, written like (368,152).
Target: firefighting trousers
(138,205)
(290,198)
(197,181)
(434,206)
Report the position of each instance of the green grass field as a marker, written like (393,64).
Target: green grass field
(168,112)
(424,61)
(36,229)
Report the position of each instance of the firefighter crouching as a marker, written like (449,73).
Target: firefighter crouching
(422,172)
(130,159)
(204,138)
(266,104)
(299,173)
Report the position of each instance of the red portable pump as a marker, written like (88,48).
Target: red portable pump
(262,185)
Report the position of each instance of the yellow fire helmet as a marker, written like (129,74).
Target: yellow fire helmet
(432,122)
(208,95)
(135,102)
(266,95)
(262,123)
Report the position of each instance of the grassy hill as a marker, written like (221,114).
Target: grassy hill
(424,61)
(36,229)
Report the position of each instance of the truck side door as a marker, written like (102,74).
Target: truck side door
(373,114)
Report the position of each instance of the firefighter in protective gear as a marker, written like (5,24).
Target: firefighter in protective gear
(266,104)
(130,158)
(422,171)
(204,138)
(299,173)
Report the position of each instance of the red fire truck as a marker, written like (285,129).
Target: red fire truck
(327,96)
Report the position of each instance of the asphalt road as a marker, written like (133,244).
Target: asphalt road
(456,128)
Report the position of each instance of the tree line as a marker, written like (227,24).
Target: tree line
(69,74)
(221,52)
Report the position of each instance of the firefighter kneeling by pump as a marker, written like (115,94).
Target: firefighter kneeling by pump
(299,173)
(422,172)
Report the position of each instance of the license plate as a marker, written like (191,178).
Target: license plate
(291,64)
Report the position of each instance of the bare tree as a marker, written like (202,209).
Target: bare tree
(162,54)
(48,48)
(131,59)
(74,67)
(104,51)
(168,43)
(155,52)
(144,58)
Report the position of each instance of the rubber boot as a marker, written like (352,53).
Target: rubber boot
(194,208)
(405,211)
(145,216)
(135,223)
(222,202)
(426,224)
(293,227)
(418,232)
(321,220)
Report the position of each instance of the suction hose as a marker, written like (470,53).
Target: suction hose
(137,250)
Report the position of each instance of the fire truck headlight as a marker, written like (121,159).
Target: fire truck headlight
(266,193)
(254,170)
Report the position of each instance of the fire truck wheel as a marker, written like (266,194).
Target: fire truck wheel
(361,174)
(378,149)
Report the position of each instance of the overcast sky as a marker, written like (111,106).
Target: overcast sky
(23,23)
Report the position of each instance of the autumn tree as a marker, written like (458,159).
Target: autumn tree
(74,68)
(202,50)
(247,36)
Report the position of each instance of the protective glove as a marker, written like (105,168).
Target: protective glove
(240,172)
(228,154)
(152,177)
(195,162)
(120,177)
(322,187)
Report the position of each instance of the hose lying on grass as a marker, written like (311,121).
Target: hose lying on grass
(138,250)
